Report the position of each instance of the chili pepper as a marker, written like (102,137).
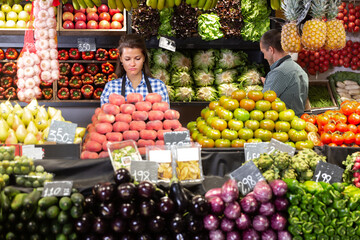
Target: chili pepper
(75,82)
(47,93)
(2,55)
(99,80)
(107,68)
(295,221)
(329,230)
(74,53)
(10,93)
(75,94)
(45,83)
(312,187)
(325,220)
(92,68)
(101,54)
(63,81)
(97,93)
(313,217)
(304,216)
(64,68)
(87,55)
(6,81)
(318,228)
(63,93)
(294,211)
(111,77)
(307,227)
(339,204)
(2,90)
(9,68)
(332,213)
(86,78)
(63,55)
(11,54)
(341,230)
(113,53)
(350,231)
(340,187)
(353,203)
(87,91)
(344,212)
(77,69)
(322,237)
(309,236)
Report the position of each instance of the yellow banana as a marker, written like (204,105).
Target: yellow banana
(97,2)
(76,4)
(127,4)
(148,3)
(89,3)
(214,3)
(64,1)
(134,4)
(275,4)
(207,4)
(153,4)
(188,2)
(119,5)
(82,4)
(160,4)
(194,2)
(17,1)
(112,4)
(10,2)
(177,2)
(170,3)
(201,3)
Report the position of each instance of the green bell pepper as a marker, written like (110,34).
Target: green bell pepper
(340,187)
(292,184)
(318,228)
(304,216)
(306,207)
(339,204)
(334,222)
(309,236)
(294,211)
(345,221)
(322,237)
(332,213)
(295,221)
(350,231)
(294,199)
(295,229)
(353,203)
(357,230)
(320,209)
(335,194)
(325,220)
(307,227)
(312,187)
(355,215)
(329,230)
(307,198)
(344,212)
(341,230)
(313,217)
(298,237)
(335,237)
(326,198)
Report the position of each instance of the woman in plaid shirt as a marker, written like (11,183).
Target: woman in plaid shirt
(133,71)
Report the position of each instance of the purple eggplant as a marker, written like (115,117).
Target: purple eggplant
(217,205)
(278,222)
(100,226)
(194,224)
(144,236)
(119,225)
(84,223)
(249,204)
(243,222)
(279,187)
(106,210)
(262,191)
(126,210)
(147,207)
(267,209)
(127,236)
(227,225)
(216,235)
(281,204)
(233,235)
(177,223)
(268,235)
(95,188)
(90,236)
(200,236)
(181,236)
(232,210)
(89,203)
(137,225)
(122,175)
(108,236)
(156,224)
(260,223)
(105,192)
(284,235)
(250,234)
(166,206)
(162,236)
(199,205)
(215,192)
(211,222)
(126,191)
(229,191)
(145,189)
(178,195)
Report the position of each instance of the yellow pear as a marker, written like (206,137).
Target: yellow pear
(27,117)
(10,119)
(18,110)
(39,136)
(46,132)
(21,133)
(17,122)
(33,106)
(42,113)
(80,132)
(32,128)
(11,139)
(77,140)
(10,106)
(52,111)
(41,123)
(4,130)
(41,141)
(57,116)
(5,110)
(30,138)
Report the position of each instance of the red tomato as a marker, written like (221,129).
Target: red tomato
(330,127)
(340,118)
(337,139)
(342,127)
(349,137)
(352,128)
(348,109)
(326,138)
(322,119)
(357,138)
(332,145)
(354,118)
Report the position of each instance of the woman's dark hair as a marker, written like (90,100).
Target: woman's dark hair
(132,41)
(272,38)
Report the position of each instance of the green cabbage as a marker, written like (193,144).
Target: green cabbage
(204,59)
(206,94)
(161,73)
(229,59)
(254,10)
(184,94)
(250,77)
(181,79)
(165,28)
(253,30)
(225,76)
(227,88)
(203,77)
(180,62)
(161,57)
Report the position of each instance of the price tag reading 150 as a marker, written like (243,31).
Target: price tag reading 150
(247,176)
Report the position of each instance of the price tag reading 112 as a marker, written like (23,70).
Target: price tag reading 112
(327,172)
(247,176)
(57,188)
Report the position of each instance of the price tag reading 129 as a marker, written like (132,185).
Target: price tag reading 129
(247,176)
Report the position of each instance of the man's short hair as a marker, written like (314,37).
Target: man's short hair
(272,38)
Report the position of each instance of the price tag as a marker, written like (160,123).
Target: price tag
(57,188)
(32,152)
(86,44)
(327,172)
(253,150)
(307,5)
(144,170)
(247,176)
(280,146)
(177,137)
(61,132)
(167,44)
(160,156)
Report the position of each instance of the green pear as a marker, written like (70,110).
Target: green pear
(52,111)
(4,110)
(18,110)
(10,119)
(30,138)
(17,122)
(21,133)
(41,123)
(33,106)
(32,128)
(4,130)
(11,139)
(27,117)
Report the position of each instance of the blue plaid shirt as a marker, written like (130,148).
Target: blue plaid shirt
(114,86)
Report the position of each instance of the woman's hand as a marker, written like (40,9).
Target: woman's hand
(262,80)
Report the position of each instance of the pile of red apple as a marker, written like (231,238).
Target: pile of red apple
(142,121)
(91,18)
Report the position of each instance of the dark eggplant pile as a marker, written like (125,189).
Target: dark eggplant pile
(129,210)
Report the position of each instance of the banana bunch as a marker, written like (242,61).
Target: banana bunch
(275,4)
(84,3)
(10,2)
(123,4)
(161,4)
(202,4)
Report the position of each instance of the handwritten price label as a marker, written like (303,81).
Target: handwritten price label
(86,44)
(246,184)
(144,170)
(253,150)
(276,145)
(327,172)
(61,132)
(57,188)
(322,177)
(247,176)
(177,138)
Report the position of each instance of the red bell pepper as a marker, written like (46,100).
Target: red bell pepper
(101,54)
(46,84)
(100,80)
(6,82)
(113,53)
(63,93)
(75,94)
(87,91)
(77,69)
(63,55)
(64,68)
(10,93)
(87,78)
(9,68)
(97,93)
(112,77)
(2,90)
(88,55)
(107,68)
(15,80)
(74,53)
(75,82)
(63,81)
(92,68)
(47,93)
(11,54)
(2,55)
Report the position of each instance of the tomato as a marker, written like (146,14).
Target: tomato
(270,95)
(206,143)
(241,114)
(263,134)
(337,139)
(199,137)
(357,110)
(245,133)
(238,143)
(229,134)
(267,124)
(238,94)
(322,119)
(210,120)
(340,118)
(348,108)
(206,129)
(278,106)
(247,104)
(349,137)
(231,104)
(254,140)
(310,127)
(226,114)
(287,115)
(191,124)
(255,95)
(203,111)
(315,138)
(298,123)
(219,124)
(192,129)
(325,138)
(263,105)
(209,113)
(333,145)
(330,127)
(352,128)
(222,143)
(272,115)
(342,127)
(357,138)
(304,144)
(256,115)
(282,126)
(252,124)
(213,134)
(296,135)
(291,144)
(223,99)
(281,136)
(201,125)
(354,118)
(309,118)
(213,105)
(218,109)
(235,124)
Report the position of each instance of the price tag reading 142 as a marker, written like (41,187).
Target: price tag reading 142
(57,188)
(247,176)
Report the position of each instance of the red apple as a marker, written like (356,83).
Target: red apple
(92,24)
(79,16)
(68,16)
(68,7)
(68,25)
(103,8)
(118,17)
(83,10)
(113,11)
(80,25)
(105,16)
(104,24)
(93,9)
(92,16)
(115,25)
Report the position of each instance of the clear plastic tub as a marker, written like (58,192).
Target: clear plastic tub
(122,153)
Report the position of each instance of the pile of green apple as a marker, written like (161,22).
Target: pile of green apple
(248,117)
(15,16)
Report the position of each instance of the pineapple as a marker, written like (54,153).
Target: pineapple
(290,37)
(335,36)
(314,30)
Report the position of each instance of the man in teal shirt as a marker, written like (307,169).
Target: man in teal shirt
(286,77)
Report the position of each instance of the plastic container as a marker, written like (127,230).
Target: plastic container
(162,156)
(122,153)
